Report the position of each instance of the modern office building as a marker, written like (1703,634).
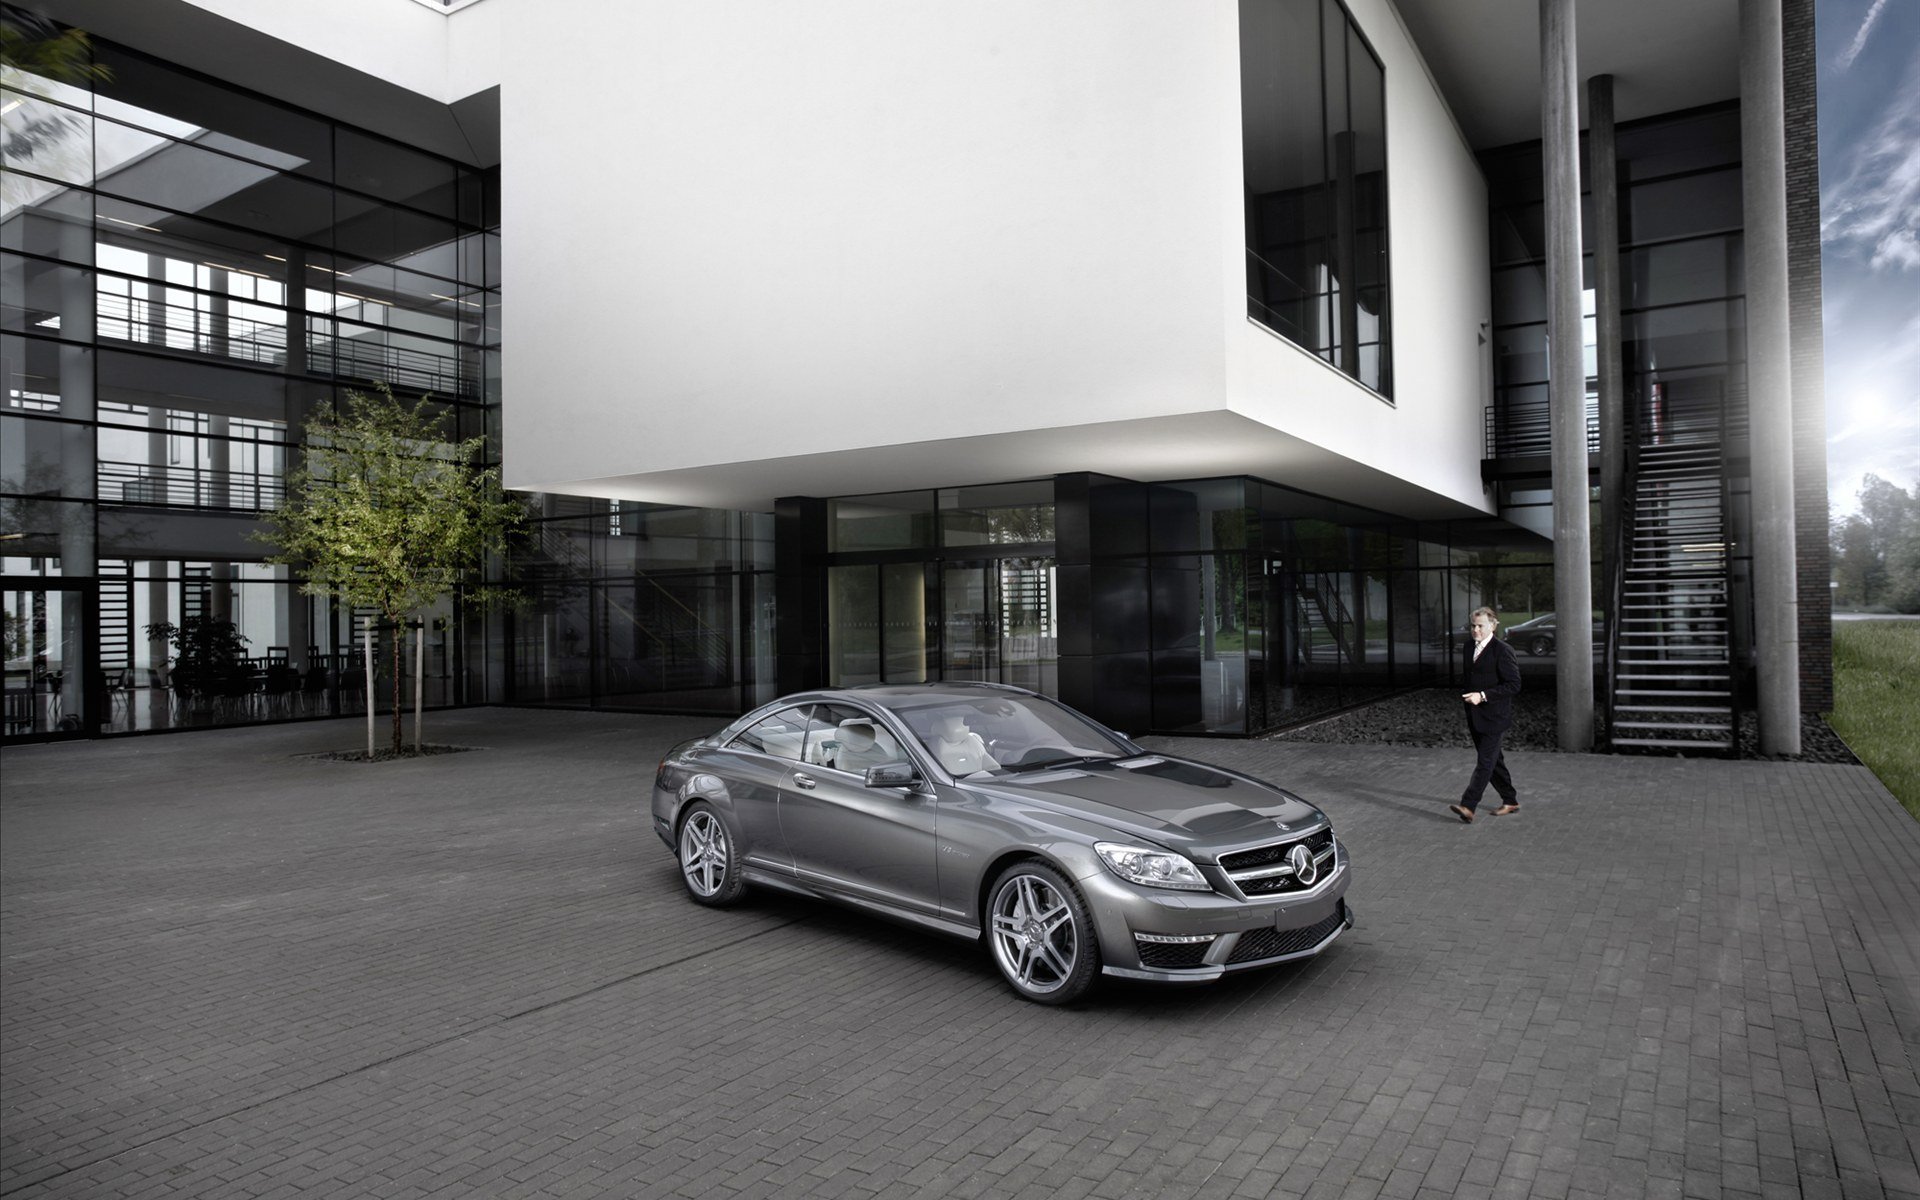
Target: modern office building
(1188,362)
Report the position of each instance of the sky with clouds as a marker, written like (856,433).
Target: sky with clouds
(1869,80)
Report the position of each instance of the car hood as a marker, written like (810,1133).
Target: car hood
(1180,804)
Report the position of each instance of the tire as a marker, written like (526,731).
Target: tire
(1041,935)
(1542,644)
(708,865)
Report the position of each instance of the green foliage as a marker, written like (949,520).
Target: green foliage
(385,512)
(32,45)
(37,58)
(1876,554)
(209,655)
(1876,700)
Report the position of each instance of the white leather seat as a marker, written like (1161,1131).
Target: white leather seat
(862,746)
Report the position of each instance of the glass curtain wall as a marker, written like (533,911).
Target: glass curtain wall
(1251,606)
(642,606)
(188,273)
(1683,310)
(957,583)
(1313,121)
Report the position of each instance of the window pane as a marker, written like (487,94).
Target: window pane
(393,172)
(1000,514)
(899,521)
(1313,124)
(853,625)
(43,136)
(1678,272)
(154,96)
(1707,203)
(46,458)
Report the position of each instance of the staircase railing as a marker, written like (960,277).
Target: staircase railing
(1333,613)
(1621,550)
(1735,690)
(707,643)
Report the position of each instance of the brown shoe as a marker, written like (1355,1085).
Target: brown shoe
(1463,812)
(1506,810)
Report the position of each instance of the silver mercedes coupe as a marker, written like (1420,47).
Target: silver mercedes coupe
(979,810)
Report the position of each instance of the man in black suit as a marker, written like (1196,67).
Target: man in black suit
(1493,679)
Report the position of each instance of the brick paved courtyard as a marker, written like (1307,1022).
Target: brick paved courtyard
(231,971)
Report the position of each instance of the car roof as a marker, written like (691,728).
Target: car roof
(895,697)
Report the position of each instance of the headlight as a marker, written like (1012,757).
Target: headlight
(1151,868)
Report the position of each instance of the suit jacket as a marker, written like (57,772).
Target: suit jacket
(1498,675)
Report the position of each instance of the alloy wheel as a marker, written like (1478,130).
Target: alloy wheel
(705,857)
(1035,937)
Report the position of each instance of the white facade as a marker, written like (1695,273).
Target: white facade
(858,246)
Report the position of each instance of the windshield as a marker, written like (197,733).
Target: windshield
(1003,735)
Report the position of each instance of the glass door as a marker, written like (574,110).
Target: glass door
(878,626)
(999,623)
(49,676)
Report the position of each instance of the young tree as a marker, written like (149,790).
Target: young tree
(386,511)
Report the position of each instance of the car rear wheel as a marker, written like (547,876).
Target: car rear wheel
(1041,934)
(1541,644)
(707,862)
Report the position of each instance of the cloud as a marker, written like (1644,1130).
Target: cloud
(1859,42)
(1872,209)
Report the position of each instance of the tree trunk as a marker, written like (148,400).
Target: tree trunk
(399,662)
(419,676)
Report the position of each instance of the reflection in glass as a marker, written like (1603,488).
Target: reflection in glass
(900,521)
(997,514)
(853,625)
(904,631)
(46,658)
(1314,152)
(1000,623)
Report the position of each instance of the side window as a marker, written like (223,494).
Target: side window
(780,735)
(849,739)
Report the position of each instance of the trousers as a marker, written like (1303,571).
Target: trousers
(1491,768)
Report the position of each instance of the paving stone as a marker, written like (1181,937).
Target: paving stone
(232,971)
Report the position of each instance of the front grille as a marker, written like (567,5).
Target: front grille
(1250,869)
(1165,955)
(1272,943)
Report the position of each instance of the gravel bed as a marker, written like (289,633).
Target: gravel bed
(387,754)
(1433,717)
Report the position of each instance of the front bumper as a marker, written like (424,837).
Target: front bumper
(1193,937)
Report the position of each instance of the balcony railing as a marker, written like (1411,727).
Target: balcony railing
(1520,430)
(196,330)
(189,487)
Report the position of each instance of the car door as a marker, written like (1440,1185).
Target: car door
(869,844)
(758,761)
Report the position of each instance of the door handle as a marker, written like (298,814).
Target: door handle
(805,782)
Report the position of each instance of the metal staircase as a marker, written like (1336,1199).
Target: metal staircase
(116,618)
(1673,679)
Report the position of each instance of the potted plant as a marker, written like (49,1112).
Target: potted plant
(209,658)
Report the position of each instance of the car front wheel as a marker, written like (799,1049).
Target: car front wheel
(1042,937)
(1541,645)
(708,865)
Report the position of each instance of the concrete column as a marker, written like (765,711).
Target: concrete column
(1769,375)
(79,471)
(1603,184)
(1566,375)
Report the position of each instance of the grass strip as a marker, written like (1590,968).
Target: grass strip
(1876,701)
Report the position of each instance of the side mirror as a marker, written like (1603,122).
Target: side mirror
(898,774)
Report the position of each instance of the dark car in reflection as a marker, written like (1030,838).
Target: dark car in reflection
(1538,635)
(995,814)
